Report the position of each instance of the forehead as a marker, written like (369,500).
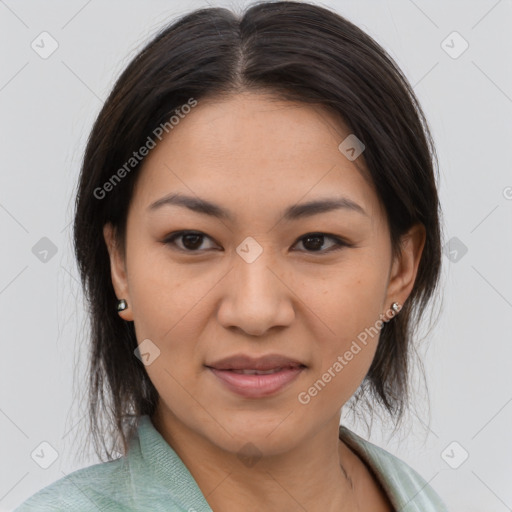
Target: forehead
(253,148)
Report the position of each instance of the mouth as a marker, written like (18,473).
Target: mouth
(256,377)
(257,372)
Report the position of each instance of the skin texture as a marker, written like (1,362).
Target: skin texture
(256,156)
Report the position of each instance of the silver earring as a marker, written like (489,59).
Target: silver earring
(396,307)
(121,305)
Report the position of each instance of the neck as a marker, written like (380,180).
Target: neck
(315,474)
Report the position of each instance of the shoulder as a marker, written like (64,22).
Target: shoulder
(93,488)
(407,489)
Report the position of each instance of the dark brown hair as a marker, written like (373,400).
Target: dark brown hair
(297,52)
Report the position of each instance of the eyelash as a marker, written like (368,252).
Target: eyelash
(339,243)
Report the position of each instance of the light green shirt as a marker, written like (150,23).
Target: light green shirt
(153,478)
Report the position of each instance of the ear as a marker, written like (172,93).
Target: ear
(405,266)
(117,270)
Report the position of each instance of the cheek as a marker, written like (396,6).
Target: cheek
(166,296)
(169,309)
(348,305)
(348,298)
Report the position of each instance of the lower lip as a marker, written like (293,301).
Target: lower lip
(257,386)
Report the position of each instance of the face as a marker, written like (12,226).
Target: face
(266,278)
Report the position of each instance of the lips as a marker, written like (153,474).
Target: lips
(256,377)
(267,363)
(257,372)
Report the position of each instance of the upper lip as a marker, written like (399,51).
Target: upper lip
(246,362)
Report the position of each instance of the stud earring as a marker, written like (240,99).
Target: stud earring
(395,307)
(122,305)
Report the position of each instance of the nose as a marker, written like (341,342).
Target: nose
(255,297)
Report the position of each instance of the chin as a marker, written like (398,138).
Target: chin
(269,435)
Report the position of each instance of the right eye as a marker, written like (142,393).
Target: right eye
(191,241)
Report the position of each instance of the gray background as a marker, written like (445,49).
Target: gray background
(47,108)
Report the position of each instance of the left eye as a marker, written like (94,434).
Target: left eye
(191,241)
(316,241)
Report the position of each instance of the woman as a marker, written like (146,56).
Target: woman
(257,230)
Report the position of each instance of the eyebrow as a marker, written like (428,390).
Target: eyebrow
(294,212)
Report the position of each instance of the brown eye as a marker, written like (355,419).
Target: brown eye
(314,242)
(191,241)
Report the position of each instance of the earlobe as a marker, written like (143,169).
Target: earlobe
(118,272)
(405,266)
